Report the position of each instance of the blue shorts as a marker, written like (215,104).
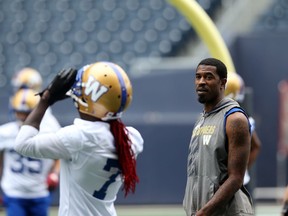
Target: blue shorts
(26,207)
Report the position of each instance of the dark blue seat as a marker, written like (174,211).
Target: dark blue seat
(51,34)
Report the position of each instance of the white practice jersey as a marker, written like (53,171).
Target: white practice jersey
(49,123)
(24,177)
(90,176)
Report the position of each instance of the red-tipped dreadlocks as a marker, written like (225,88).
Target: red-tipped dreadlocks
(125,154)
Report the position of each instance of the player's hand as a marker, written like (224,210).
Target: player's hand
(52,181)
(59,86)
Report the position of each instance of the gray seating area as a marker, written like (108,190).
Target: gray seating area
(275,18)
(51,34)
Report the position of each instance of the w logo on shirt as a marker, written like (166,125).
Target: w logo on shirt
(206,139)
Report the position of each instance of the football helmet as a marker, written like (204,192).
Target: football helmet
(235,87)
(24,100)
(102,90)
(27,78)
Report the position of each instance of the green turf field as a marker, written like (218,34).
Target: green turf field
(265,209)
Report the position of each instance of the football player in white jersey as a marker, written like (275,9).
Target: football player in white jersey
(97,152)
(23,180)
(30,78)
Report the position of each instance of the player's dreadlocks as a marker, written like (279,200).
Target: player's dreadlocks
(125,154)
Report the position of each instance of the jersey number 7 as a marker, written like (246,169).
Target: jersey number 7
(100,194)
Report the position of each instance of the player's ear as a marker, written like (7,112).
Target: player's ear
(223,82)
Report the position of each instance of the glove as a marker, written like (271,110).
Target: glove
(52,181)
(62,82)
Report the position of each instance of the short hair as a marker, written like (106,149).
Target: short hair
(220,66)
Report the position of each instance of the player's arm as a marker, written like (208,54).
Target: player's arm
(35,117)
(255,148)
(237,130)
(53,176)
(27,143)
(56,167)
(55,91)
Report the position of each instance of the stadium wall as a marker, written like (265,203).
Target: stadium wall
(164,110)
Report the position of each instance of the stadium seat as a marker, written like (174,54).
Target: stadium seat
(51,34)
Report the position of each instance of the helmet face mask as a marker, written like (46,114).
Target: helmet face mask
(27,78)
(102,90)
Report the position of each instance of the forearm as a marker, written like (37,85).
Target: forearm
(252,159)
(255,149)
(222,196)
(31,144)
(56,167)
(35,117)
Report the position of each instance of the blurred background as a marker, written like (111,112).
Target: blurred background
(159,49)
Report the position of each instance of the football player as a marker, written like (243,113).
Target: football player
(97,152)
(24,179)
(30,78)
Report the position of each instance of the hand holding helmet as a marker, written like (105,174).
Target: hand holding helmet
(62,82)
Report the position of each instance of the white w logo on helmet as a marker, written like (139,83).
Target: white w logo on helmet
(94,88)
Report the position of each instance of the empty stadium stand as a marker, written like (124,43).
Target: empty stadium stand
(49,35)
